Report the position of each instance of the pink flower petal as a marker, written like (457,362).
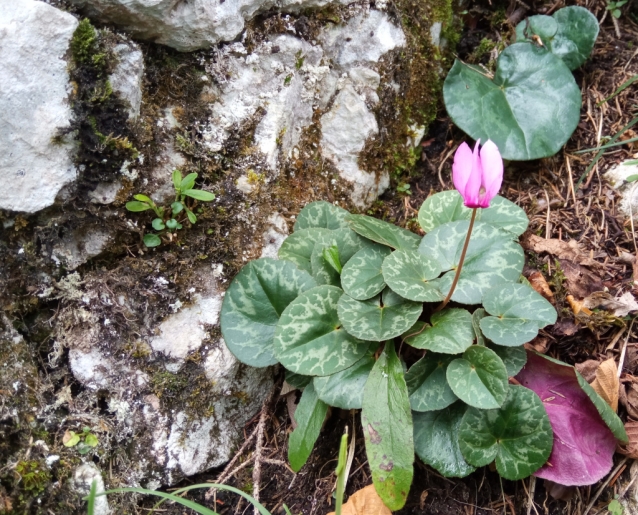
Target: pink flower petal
(473,186)
(492,164)
(462,167)
(583,444)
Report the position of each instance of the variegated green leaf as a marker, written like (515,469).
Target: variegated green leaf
(383,232)
(479,313)
(514,358)
(345,389)
(451,332)
(409,274)
(447,206)
(518,312)
(387,428)
(504,214)
(309,415)
(427,383)
(322,215)
(492,258)
(436,440)
(297,248)
(518,435)
(361,277)
(441,208)
(479,378)
(380,318)
(253,304)
(348,243)
(297,381)
(310,339)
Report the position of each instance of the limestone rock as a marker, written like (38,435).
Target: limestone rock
(617,177)
(126,79)
(83,478)
(191,25)
(78,247)
(34,40)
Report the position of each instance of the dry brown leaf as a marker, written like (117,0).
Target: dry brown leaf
(538,344)
(364,502)
(565,327)
(606,383)
(632,400)
(631,448)
(587,369)
(579,281)
(539,283)
(558,248)
(619,307)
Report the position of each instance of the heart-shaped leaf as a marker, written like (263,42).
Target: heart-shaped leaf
(321,215)
(479,313)
(427,384)
(492,258)
(443,207)
(309,338)
(585,427)
(253,304)
(158,224)
(297,248)
(387,427)
(518,435)
(361,277)
(380,318)
(409,274)
(479,378)
(436,440)
(570,34)
(529,109)
(504,214)
(152,240)
(451,332)
(309,415)
(518,312)
(383,232)
(514,358)
(345,389)
(347,243)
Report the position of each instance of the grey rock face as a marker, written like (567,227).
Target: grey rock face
(126,79)
(187,26)
(34,40)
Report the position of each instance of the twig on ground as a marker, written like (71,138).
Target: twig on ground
(604,485)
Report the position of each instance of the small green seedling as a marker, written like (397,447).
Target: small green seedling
(404,187)
(168,221)
(615,508)
(614,8)
(85,441)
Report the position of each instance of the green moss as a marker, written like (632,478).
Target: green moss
(164,383)
(84,43)
(33,477)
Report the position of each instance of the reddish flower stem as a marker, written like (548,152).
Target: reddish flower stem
(460,267)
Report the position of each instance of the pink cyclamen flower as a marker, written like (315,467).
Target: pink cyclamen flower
(477,175)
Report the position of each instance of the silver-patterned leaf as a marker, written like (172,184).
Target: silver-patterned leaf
(518,312)
(409,274)
(443,207)
(297,248)
(253,304)
(321,214)
(514,358)
(310,414)
(427,384)
(492,258)
(479,313)
(361,277)
(380,318)
(345,389)
(504,214)
(518,435)
(348,243)
(479,378)
(309,338)
(383,232)
(436,440)
(450,332)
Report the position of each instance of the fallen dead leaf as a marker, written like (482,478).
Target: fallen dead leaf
(619,307)
(538,344)
(632,400)
(606,383)
(565,327)
(587,369)
(579,281)
(560,492)
(364,502)
(561,249)
(539,283)
(630,449)
(577,305)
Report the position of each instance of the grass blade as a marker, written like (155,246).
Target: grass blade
(620,89)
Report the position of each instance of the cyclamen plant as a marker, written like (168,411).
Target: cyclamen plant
(349,290)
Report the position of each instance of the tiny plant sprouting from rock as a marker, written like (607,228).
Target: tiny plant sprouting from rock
(84,441)
(168,221)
